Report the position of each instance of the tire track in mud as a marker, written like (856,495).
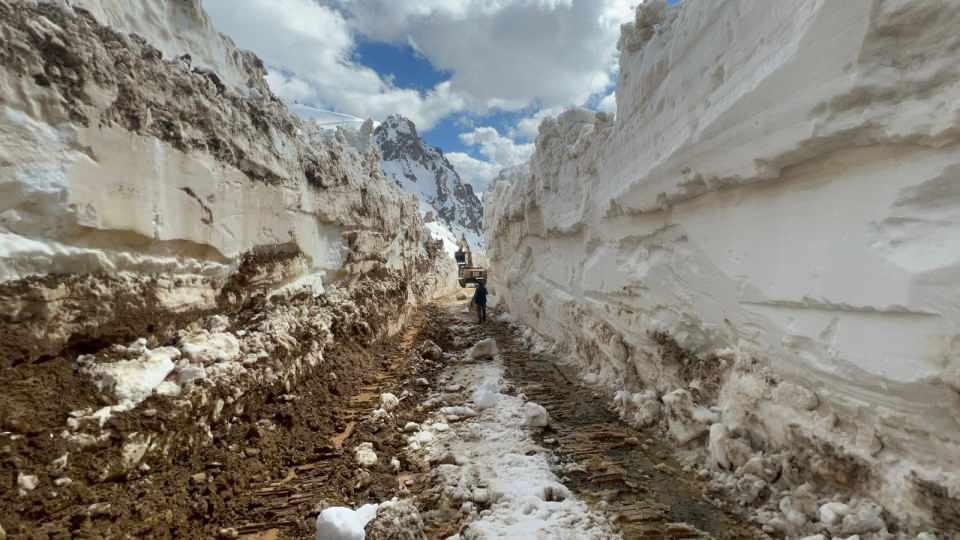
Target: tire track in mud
(630,473)
(286,508)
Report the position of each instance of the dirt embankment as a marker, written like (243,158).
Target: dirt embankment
(279,452)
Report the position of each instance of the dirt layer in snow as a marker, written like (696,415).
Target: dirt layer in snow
(289,454)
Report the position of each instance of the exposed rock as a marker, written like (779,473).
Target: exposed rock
(430,350)
(422,169)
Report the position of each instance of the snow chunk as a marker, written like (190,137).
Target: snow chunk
(483,349)
(389,402)
(339,523)
(132,381)
(27,482)
(134,450)
(796,396)
(725,451)
(686,421)
(459,411)
(485,396)
(365,455)
(832,512)
(206,348)
(398,520)
(535,415)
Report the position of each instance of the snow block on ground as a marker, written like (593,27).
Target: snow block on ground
(534,415)
(486,348)
(339,523)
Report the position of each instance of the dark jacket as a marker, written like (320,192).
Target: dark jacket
(480,295)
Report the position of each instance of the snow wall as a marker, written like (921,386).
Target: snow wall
(772,225)
(148,178)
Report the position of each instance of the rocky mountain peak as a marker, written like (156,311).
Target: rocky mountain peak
(423,169)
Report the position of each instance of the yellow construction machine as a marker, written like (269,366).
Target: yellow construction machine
(468,275)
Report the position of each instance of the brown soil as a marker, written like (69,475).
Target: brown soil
(268,468)
(268,471)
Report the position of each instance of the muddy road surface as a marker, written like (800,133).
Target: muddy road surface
(465,466)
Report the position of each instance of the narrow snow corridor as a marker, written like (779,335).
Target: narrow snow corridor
(463,454)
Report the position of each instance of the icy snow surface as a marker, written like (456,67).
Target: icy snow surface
(526,499)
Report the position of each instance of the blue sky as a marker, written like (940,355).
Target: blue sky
(476,76)
(407,68)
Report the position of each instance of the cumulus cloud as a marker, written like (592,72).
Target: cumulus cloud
(506,54)
(309,47)
(503,54)
(529,127)
(476,172)
(500,152)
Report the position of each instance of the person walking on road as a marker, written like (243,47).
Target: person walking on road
(480,300)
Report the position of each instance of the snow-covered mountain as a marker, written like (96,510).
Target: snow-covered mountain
(422,169)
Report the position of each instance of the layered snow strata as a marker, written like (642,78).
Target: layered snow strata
(128,207)
(777,200)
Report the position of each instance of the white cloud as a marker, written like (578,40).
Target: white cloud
(500,152)
(310,46)
(529,127)
(503,54)
(506,53)
(476,172)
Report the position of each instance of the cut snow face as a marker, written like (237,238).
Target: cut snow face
(503,468)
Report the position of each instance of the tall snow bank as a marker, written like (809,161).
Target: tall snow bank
(777,200)
(168,183)
(176,29)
